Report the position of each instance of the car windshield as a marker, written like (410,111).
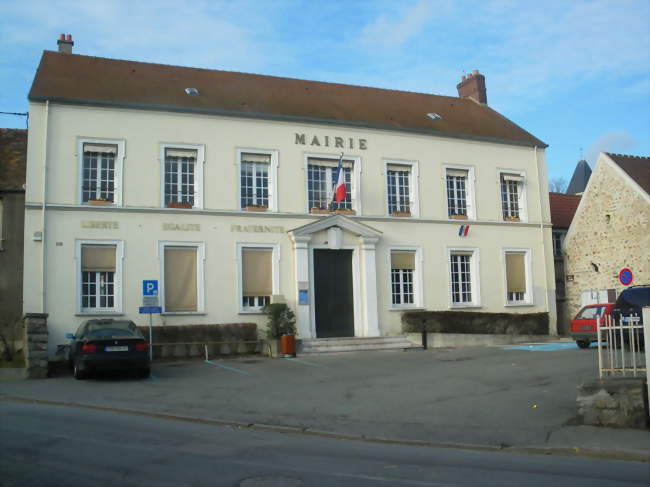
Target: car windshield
(113,328)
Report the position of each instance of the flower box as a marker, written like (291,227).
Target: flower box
(255,208)
(401,214)
(178,204)
(99,202)
(319,211)
(345,211)
(458,217)
(511,218)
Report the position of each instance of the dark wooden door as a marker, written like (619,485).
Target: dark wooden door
(334,306)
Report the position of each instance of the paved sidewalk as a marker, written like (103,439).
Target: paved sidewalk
(488,398)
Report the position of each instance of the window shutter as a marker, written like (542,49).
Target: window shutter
(457,172)
(101,148)
(398,168)
(402,260)
(316,161)
(174,152)
(257,272)
(180,279)
(253,157)
(512,177)
(95,258)
(516,273)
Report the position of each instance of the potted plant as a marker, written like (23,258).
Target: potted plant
(256,208)
(179,204)
(401,213)
(319,211)
(100,202)
(345,211)
(280,329)
(511,218)
(458,217)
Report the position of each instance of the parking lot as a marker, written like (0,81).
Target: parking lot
(486,396)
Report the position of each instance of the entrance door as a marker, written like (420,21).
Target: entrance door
(334,305)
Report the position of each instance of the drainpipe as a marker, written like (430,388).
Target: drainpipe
(541,232)
(43,196)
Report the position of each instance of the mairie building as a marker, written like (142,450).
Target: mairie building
(218,185)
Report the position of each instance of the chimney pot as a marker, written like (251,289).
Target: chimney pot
(463,78)
(68,37)
(473,86)
(65,43)
(475,71)
(62,37)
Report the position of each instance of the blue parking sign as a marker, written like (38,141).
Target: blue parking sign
(150,288)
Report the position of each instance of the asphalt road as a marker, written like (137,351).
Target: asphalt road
(44,445)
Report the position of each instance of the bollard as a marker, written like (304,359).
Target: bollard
(424,334)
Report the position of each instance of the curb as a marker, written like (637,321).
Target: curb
(293,430)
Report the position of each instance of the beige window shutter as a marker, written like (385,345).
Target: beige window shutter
(457,172)
(257,272)
(101,148)
(512,177)
(254,157)
(398,168)
(98,258)
(516,273)
(316,161)
(180,279)
(175,152)
(402,260)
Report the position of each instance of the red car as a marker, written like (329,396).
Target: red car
(583,326)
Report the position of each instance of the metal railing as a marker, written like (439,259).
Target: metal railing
(621,348)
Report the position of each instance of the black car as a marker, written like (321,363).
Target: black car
(630,303)
(106,344)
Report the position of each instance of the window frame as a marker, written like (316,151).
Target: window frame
(355,178)
(118,169)
(417,277)
(470,189)
(275,272)
(528,299)
(117,281)
(558,235)
(198,171)
(475,276)
(200,276)
(522,199)
(414,177)
(273,175)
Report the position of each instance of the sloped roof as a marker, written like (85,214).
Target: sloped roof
(563,208)
(637,167)
(91,80)
(580,178)
(13,159)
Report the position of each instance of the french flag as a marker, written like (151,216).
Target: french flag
(339,188)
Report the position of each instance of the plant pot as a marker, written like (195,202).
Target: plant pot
(272,347)
(401,214)
(99,202)
(511,218)
(342,211)
(255,208)
(288,345)
(319,211)
(458,217)
(176,204)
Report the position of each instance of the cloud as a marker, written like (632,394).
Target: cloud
(392,32)
(638,87)
(617,142)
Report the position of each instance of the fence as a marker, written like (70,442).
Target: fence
(624,350)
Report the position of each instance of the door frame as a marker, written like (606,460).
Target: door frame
(356,288)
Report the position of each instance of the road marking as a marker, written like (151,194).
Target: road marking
(306,362)
(543,347)
(232,369)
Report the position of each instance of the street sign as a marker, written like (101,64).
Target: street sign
(625,277)
(144,310)
(150,301)
(150,288)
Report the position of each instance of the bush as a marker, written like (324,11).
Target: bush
(281,320)
(473,322)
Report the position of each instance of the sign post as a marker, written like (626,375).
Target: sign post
(150,305)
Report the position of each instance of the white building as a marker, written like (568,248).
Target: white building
(217,185)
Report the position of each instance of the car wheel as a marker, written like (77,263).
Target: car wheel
(78,373)
(583,344)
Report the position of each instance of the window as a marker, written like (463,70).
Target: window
(463,270)
(182,286)
(404,279)
(258,275)
(401,179)
(512,196)
(99,276)
(100,171)
(257,173)
(558,240)
(459,182)
(322,175)
(182,180)
(517,282)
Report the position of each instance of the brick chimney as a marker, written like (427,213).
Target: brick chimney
(65,43)
(473,86)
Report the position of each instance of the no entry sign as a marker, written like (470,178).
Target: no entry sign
(625,277)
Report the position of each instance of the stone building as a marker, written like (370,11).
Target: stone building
(609,231)
(13,156)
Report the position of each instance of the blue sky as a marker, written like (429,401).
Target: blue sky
(576,74)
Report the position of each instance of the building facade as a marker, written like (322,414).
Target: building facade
(609,232)
(219,186)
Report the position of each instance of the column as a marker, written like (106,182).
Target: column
(370,279)
(301,266)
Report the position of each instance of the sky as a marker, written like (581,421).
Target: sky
(576,74)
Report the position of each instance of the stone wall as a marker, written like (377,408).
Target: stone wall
(615,402)
(36,338)
(610,230)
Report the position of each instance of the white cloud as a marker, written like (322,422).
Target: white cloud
(617,142)
(388,31)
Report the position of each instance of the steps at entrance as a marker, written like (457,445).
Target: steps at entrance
(354,344)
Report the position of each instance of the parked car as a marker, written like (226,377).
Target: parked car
(107,344)
(583,326)
(630,303)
